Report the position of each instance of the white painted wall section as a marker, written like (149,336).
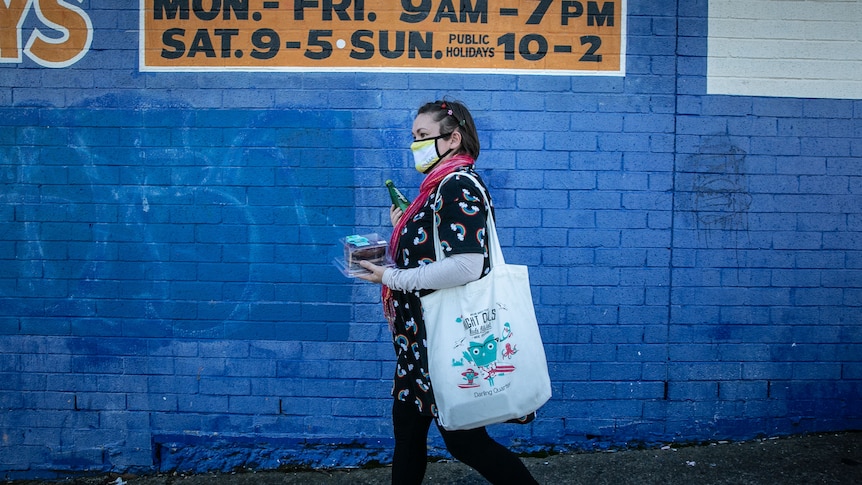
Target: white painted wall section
(786,48)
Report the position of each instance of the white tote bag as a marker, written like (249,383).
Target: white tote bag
(486,360)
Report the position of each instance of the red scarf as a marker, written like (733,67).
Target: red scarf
(428,186)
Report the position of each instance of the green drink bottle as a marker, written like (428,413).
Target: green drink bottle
(398,199)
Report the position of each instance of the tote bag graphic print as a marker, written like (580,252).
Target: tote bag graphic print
(483,361)
(486,359)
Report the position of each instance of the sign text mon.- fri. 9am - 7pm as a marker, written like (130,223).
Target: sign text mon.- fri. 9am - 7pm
(517,36)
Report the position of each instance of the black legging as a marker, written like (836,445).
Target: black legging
(472,447)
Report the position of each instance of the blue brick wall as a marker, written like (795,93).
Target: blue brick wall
(167,299)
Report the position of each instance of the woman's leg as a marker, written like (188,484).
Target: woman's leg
(492,460)
(411,443)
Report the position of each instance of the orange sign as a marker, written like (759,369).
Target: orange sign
(482,36)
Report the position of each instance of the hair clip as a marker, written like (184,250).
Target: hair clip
(451,113)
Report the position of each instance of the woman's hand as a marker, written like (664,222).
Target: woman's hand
(395,214)
(376,272)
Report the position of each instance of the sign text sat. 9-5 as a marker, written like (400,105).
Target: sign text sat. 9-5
(565,37)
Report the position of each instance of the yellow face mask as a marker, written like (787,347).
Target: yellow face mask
(425,153)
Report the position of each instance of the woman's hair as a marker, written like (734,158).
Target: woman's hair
(453,115)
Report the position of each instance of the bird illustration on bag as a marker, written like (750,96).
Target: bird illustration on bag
(484,356)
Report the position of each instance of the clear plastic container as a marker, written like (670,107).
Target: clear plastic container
(362,247)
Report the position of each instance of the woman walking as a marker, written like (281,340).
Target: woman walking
(446,146)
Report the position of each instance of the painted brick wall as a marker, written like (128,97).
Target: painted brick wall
(167,300)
